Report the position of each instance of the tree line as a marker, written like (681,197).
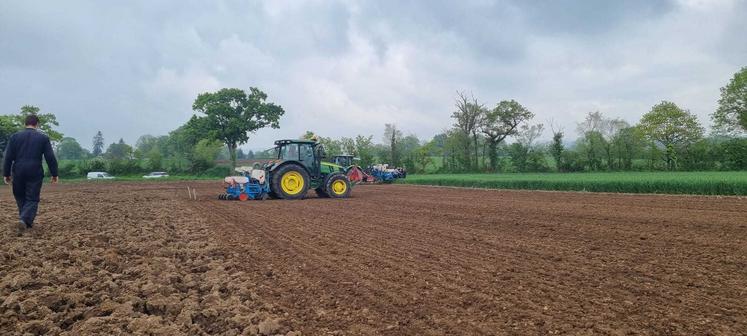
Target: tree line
(222,121)
(502,138)
(667,137)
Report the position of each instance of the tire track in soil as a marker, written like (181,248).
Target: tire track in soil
(613,283)
(453,289)
(331,267)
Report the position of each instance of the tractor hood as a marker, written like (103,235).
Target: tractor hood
(332,165)
(328,168)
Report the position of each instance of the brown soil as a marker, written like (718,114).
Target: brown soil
(140,258)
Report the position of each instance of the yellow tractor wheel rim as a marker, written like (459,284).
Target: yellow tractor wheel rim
(292,183)
(339,187)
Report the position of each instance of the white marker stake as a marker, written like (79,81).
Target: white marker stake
(194,191)
(189,193)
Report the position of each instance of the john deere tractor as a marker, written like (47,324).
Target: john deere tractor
(298,167)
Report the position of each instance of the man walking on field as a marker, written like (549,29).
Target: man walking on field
(23,157)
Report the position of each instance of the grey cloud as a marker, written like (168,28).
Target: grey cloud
(346,67)
(589,17)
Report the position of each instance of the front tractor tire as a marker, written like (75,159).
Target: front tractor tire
(290,182)
(337,186)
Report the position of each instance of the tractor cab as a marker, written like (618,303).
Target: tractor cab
(307,153)
(344,160)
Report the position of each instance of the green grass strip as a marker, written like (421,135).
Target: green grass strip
(699,183)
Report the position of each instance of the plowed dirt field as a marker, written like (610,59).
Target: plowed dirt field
(140,258)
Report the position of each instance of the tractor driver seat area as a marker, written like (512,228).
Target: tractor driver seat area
(319,154)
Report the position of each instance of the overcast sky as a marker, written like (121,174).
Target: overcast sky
(341,68)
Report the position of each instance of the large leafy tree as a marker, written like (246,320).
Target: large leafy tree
(557,148)
(365,149)
(597,138)
(47,121)
(205,153)
(181,142)
(151,147)
(393,138)
(467,119)
(119,151)
(70,149)
(347,145)
(672,128)
(609,132)
(145,143)
(155,159)
(231,115)
(628,143)
(408,148)
(501,122)
(456,158)
(731,115)
(524,153)
(591,142)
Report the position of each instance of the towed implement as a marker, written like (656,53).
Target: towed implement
(379,173)
(383,174)
(250,185)
(297,168)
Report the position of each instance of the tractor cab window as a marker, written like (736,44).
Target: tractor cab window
(307,154)
(344,161)
(289,152)
(306,151)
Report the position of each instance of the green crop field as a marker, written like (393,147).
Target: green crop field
(704,183)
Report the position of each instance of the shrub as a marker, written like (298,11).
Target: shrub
(217,171)
(68,170)
(735,154)
(96,164)
(124,167)
(572,161)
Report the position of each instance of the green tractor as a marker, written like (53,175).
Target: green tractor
(299,167)
(343,160)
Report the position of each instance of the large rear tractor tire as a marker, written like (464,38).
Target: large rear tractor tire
(290,182)
(337,186)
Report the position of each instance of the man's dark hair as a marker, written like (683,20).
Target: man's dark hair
(32,120)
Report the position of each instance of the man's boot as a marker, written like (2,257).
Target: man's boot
(21,226)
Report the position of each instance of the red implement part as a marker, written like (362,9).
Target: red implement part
(368,179)
(243,197)
(358,176)
(355,174)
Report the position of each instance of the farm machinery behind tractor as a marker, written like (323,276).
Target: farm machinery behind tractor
(297,168)
(379,173)
(382,173)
